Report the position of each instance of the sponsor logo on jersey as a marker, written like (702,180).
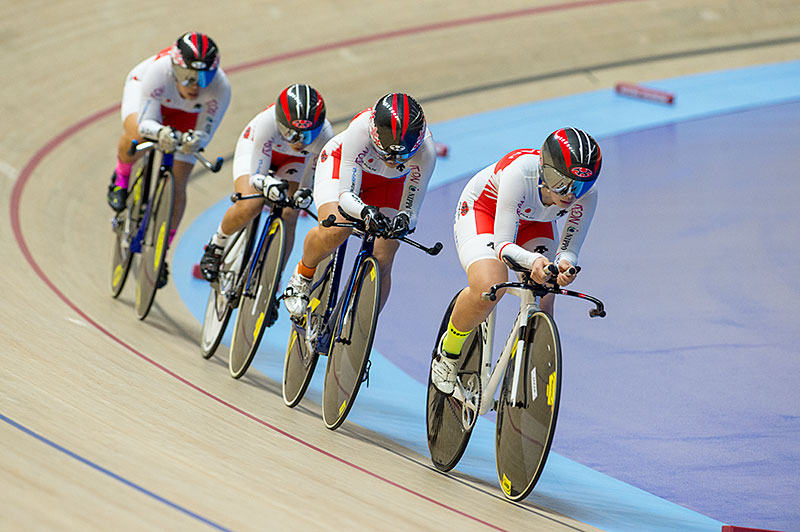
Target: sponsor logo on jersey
(414,176)
(212,107)
(323,156)
(266,149)
(570,232)
(575,214)
(464,208)
(247,133)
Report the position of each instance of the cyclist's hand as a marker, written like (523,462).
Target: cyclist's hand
(302,198)
(539,272)
(273,189)
(400,225)
(168,138)
(566,272)
(375,220)
(192,141)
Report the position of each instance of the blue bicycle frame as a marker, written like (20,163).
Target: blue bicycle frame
(334,303)
(136,242)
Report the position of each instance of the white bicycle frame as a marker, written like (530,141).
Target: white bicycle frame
(490,377)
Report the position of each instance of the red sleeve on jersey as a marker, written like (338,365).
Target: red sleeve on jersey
(509,158)
(163,52)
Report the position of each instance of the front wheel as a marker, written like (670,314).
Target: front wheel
(450,419)
(219,306)
(154,244)
(257,305)
(351,344)
(124,225)
(301,353)
(526,417)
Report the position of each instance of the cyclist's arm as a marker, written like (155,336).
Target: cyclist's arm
(249,157)
(217,96)
(350,172)
(307,180)
(576,226)
(154,87)
(416,185)
(511,193)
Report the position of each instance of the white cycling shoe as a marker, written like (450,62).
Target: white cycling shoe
(295,297)
(444,371)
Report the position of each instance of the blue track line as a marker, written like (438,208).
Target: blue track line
(111,474)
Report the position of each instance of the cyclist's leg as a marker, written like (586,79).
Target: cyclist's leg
(130,132)
(321,241)
(240,213)
(385,251)
(290,223)
(291,169)
(470,310)
(180,172)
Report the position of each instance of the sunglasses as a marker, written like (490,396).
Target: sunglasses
(562,185)
(190,76)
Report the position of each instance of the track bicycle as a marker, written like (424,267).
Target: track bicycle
(528,374)
(341,326)
(250,272)
(142,228)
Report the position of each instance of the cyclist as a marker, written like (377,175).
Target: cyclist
(282,142)
(376,170)
(179,90)
(506,215)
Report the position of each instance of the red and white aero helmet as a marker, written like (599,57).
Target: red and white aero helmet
(195,59)
(570,162)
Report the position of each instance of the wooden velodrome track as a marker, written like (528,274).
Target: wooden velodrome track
(113,423)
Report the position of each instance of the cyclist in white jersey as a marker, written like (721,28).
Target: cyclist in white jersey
(506,216)
(376,170)
(282,142)
(180,89)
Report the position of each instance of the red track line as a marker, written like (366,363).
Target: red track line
(33,163)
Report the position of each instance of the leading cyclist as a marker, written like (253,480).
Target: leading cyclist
(506,215)
(180,89)
(376,170)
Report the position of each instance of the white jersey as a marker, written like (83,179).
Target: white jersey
(508,190)
(158,88)
(350,167)
(261,147)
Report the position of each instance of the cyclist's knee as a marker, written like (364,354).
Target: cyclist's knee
(384,251)
(248,209)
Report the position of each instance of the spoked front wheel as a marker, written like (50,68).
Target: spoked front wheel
(351,344)
(301,353)
(124,226)
(154,245)
(219,307)
(450,419)
(526,415)
(257,305)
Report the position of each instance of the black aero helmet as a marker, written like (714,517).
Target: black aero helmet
(397,127)
(195,59)
(300,111)
(571,161)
